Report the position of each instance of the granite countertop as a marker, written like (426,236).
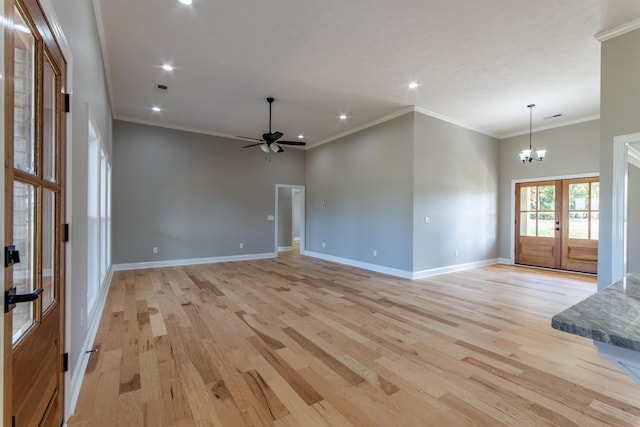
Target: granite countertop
(611,316)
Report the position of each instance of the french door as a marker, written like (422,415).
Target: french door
(34,211)
(557,224)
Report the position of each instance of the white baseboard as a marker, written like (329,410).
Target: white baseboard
(75,382)
(453,268)
(506,261)
(191,261)
(285,248)
(403,273)
(364,265)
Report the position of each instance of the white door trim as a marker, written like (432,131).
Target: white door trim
(302,217)
(619,205)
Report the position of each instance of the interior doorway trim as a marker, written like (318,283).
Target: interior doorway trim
(512,204)
(302,217)
(619,206)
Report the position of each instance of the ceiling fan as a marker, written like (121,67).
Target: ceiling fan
(268,142)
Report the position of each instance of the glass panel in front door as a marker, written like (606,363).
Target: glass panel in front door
(24,237)
(24,141)
(48,248)
(537,211)
(584,200)
(49,122)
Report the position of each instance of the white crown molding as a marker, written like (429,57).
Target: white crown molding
(618,31)
(363,127)
(553,126)
(452,121)
(180,128)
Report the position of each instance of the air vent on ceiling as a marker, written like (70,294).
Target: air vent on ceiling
(161,87)
(555,116)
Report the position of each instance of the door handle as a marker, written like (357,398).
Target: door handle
(11,298)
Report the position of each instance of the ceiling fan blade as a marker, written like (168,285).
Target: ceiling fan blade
(248,137)
(253,145)
(280,149)
(292,142)
(276,135)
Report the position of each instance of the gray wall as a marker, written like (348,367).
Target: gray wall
(456,186)
(619,107)
(380,183)
(89,92)
(285,218)
(366,179)
(633,220)
(571,150)
(193,195)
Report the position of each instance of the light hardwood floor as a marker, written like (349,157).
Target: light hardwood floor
(297,341)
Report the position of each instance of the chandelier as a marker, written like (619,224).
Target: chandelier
(527,155)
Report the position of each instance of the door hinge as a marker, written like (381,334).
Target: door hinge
(13,421)
(11,256)
(67,103)
(65,233)
(65,362)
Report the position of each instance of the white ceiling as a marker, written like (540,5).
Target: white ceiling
(478,63)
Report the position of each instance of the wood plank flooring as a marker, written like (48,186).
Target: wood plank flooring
(296,341)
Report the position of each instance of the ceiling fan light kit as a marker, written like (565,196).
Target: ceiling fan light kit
(526,155)
(268,142)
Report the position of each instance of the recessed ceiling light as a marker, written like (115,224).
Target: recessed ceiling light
(343,117)
(413,85)
(167,67)
(187,2)
(301,136)
(156,109)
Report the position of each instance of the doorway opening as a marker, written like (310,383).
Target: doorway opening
(289,219)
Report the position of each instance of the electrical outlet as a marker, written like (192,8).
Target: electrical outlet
(375,252)
(241,245)
(323,245)
(155,249)
(427,220)
(457,252)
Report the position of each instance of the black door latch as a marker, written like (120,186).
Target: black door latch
(11,256)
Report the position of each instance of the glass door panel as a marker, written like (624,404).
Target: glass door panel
(546,224)
(49,122)
(24,145)
(528,224)
(48,249)
(584,217)
(24,237)
(537,211)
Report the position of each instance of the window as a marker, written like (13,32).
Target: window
(99,217)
